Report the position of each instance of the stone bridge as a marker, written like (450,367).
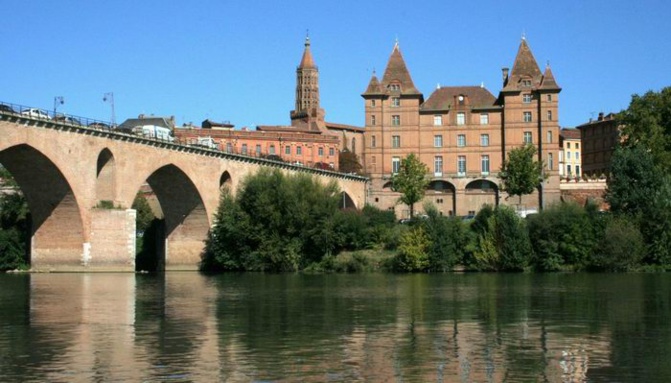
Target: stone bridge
(80,184)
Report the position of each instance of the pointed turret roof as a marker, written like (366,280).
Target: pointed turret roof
(374,87)
(397,72)
(524,68)
(307,61)
(548,82)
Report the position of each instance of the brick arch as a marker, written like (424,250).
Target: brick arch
(186,220)
(481,192)
(106,176)
(57,232)
(346,201)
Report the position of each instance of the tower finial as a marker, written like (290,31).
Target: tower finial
(524,35)
(307,37)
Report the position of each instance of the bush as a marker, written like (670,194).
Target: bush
(413,251)
(448,237)
(621,249)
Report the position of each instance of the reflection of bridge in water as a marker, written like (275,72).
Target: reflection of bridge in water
(72,174)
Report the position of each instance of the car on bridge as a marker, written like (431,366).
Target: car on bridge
(36,113)
(7,109)
(99,125)
(67,120)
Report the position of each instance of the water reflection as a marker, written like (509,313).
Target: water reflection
(335,328)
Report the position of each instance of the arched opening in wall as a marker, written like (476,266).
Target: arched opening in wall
(174,241)
(45,212)
(106,178)
(225,182)
(346,202)
(479,193)
(443,196)
(387,186)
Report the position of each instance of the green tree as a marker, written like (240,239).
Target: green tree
(634,179)
(647,121)
(410,181)
(413,251)
(448,237)
(14,225)
(348,162)
(520,173)
(143,213)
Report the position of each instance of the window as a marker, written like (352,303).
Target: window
(484,140)
(372,103)
(258,150)
(395,87)
(549,115)
(244,148)
(396,120)
(527,138)
(229,147)
(461,99)
(299,150)
(461,140)
(527,116)
(577,170)
(526,83)
(373,121)
(373,142)
(551,161)
(484,164)
(437,120)
(438,166)
(461,118)
(568,155)
(577,145)
(526,98)
(320,152)
(568,169)
(577,155)
(549,98)
(568,145)
(395,102)
(395,164)
(395,141)
(484,119)
(331,152)
(549,136)
(271,150)
(461,165)
(438,141)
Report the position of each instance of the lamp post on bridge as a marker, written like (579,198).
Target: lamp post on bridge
(58,100)
(109,97)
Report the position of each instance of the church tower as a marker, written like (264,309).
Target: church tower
(308,113)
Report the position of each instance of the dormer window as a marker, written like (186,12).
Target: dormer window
(526,83)
(394,87)
(461,99)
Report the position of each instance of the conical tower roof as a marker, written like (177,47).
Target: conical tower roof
(548,82)
(374,87)
(397,73)
(524,68)
(307,62)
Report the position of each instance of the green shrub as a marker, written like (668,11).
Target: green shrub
(622,247)
(413,251)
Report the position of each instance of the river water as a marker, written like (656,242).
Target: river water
(335,328)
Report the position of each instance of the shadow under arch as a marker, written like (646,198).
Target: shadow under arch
(225,181)
(185,222)
(106,176)
(57,231)
(444,196)
(346,202)
(482,192)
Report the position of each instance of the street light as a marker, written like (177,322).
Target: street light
(109,97)
(58,100)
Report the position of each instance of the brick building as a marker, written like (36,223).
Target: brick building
(462,133)
(599,140)
(309,140)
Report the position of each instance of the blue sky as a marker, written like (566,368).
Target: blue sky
(236,60)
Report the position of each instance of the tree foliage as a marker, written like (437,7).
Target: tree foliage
(410,181)
(634,179)
(348,162)
(520,173)
(14,226)
(647,122)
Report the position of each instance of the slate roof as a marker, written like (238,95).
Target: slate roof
(570,133)
(142,120)
(307,61)
(397,72)
(443,98)
(525,67)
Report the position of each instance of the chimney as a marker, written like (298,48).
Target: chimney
(600,116)
(505,75)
